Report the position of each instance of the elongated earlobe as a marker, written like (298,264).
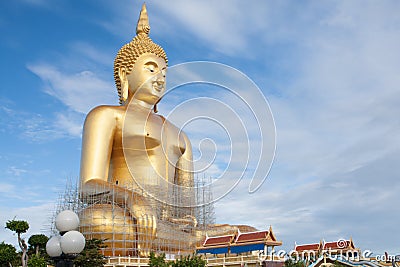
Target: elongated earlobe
(124,84)
(125,90)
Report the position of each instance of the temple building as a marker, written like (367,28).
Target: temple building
(308,251)
(240,243)
(341,247)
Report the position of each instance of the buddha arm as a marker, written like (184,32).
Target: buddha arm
(97,140)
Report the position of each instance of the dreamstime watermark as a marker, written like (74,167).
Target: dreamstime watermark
(311,254)
(388,258)
(339,252)
(223,111)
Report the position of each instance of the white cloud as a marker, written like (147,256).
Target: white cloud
(16,171)
(341,111)
(220,27)
(223,26)
(90,52)
(71,123)
(6,188)
(38,128)
(79,91)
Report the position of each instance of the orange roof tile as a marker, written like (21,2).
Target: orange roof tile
(252,236)
(307,247)
(337,245)
(218,240)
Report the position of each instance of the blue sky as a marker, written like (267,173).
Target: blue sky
(329,69)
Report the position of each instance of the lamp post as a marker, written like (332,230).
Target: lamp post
(64,248)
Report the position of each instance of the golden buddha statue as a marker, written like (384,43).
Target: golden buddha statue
(134,158)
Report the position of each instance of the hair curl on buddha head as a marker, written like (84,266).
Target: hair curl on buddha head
(139,45)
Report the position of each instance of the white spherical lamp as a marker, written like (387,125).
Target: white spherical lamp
(67,220)
(72,242)
(53,247)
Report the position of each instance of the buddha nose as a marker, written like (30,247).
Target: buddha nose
(160,79)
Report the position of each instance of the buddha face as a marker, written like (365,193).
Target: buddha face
(147,78)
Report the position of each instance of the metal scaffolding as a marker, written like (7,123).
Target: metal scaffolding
(178,228)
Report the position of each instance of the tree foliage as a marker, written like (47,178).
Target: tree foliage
(338,264)
(183,261)
(157,261)
(91,255)
(292,263)
(8,254)
(38,242)
(20,227)
(189,261)
(37,261)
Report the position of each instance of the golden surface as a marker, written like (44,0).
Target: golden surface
(129,153)
(118,233)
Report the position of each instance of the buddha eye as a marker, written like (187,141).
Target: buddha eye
(150,66)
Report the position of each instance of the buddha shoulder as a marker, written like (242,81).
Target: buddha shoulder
(104,115)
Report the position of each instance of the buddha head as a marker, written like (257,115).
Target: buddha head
(141,64)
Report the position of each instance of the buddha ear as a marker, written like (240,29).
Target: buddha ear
(124,84)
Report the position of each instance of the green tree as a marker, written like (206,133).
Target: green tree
(338,264)
(189,261)
(8,254)
(292,263)
(37,261)
(157,261)
(20,227)
(91,255)
(183,261)
(38,242)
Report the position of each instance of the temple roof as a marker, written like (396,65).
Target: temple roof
(252,236)
(315,246)
(341,244)
(218,240)
(240,242)
(262,236)
(335,245)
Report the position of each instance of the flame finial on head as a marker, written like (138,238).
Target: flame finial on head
(143,25)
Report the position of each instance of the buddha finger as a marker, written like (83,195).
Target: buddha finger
(154,229)
(149,227)
(146,228)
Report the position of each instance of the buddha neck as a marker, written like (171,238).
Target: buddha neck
(140,103)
